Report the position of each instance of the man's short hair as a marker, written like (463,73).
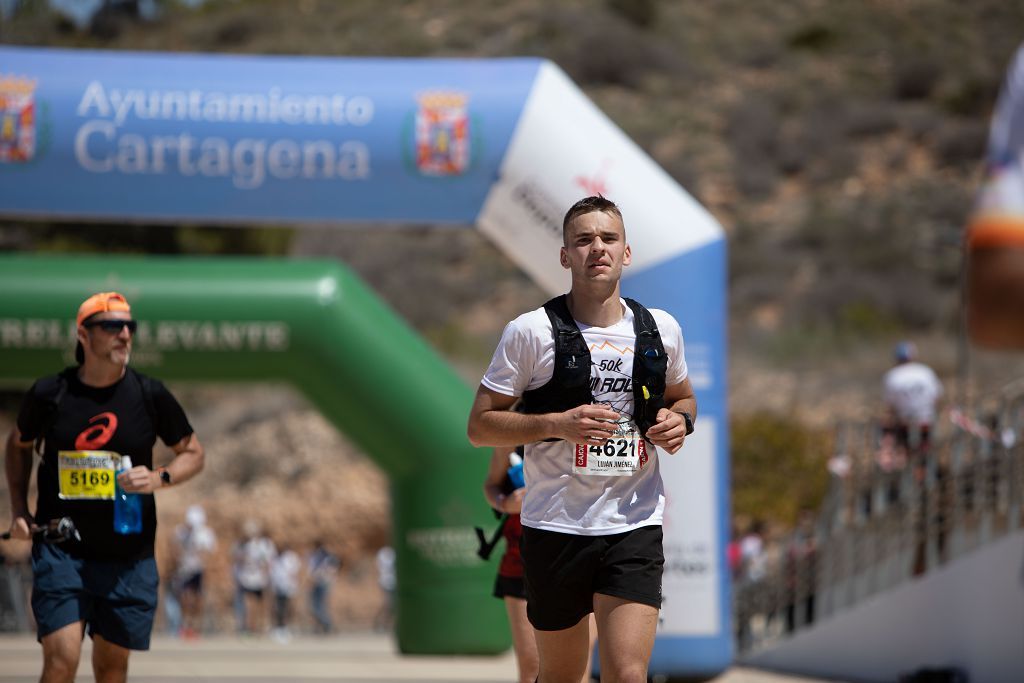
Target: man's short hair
(589,205)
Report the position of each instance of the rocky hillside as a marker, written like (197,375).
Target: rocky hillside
(839,143)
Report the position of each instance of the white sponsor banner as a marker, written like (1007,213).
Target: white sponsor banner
(691,581)
(564,148)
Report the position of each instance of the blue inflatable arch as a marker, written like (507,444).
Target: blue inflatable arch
(503,145)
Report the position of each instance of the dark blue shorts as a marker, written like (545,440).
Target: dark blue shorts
(117,600)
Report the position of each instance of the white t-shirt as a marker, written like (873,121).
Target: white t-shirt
(912,390)
(557,499)
(252,562)
(753,556)
(195,542)
(284,573)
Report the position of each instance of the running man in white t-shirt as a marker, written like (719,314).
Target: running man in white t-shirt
(912,391)
(592,514)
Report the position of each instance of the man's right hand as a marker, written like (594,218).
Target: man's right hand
(592,423)
(21,527)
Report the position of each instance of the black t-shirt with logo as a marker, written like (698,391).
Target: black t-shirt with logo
(122,418)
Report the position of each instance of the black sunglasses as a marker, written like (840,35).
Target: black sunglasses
(113,326)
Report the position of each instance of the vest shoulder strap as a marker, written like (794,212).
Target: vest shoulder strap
(52,390)
(567,335)
(649,367)
(146,385)
(643,320)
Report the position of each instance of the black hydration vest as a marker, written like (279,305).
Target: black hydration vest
(570,384)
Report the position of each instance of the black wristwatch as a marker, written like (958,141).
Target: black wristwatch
(165,476)
(689,422)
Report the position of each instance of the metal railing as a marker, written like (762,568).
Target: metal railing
(890,516)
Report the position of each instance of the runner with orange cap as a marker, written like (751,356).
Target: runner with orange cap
(86,420)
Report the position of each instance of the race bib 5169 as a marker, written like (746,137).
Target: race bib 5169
(87,475)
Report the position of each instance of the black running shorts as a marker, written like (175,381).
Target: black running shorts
(509,587)
(563,571)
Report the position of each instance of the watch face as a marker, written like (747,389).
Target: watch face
(165,477)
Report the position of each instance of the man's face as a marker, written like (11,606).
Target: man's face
(595,248)
(110,345)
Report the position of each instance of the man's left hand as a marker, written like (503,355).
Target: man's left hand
(669,431)
(139,479)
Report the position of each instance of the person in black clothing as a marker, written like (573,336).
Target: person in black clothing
(86,418)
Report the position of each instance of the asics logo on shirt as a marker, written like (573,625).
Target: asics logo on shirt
(96,436)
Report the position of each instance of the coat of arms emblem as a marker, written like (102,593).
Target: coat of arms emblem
(442,134)
(17,119)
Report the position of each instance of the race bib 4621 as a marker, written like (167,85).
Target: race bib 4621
(622,455)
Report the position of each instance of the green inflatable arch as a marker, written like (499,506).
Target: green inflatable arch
(315,325)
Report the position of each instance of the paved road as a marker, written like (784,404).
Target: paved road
(349,658)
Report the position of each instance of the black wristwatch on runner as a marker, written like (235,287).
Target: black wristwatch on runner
(165,476)
(689,423)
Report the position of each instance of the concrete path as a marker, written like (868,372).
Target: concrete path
(348,658)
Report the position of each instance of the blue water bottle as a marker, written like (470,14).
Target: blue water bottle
(127,506)
(515,470)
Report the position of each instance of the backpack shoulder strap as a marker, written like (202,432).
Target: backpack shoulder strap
(649,366)
(52,391)
(148,387)
(643,321)
(571,353)
(563,327)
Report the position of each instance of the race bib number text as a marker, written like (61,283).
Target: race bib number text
(87,475)
(620,456)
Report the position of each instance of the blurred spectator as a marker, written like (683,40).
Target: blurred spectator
(252,558)
(284,579)
(752,556)
(323,567)
(801,573)
(171,605)
(733,553)
(195,541)
(912,391)
(753,567)
(387,580)
(839,464)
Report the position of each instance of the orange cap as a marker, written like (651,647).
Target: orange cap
(102,302)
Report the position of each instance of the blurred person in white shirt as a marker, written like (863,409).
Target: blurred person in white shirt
(912,391)
(284,580)
(252,558)
(195,541)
